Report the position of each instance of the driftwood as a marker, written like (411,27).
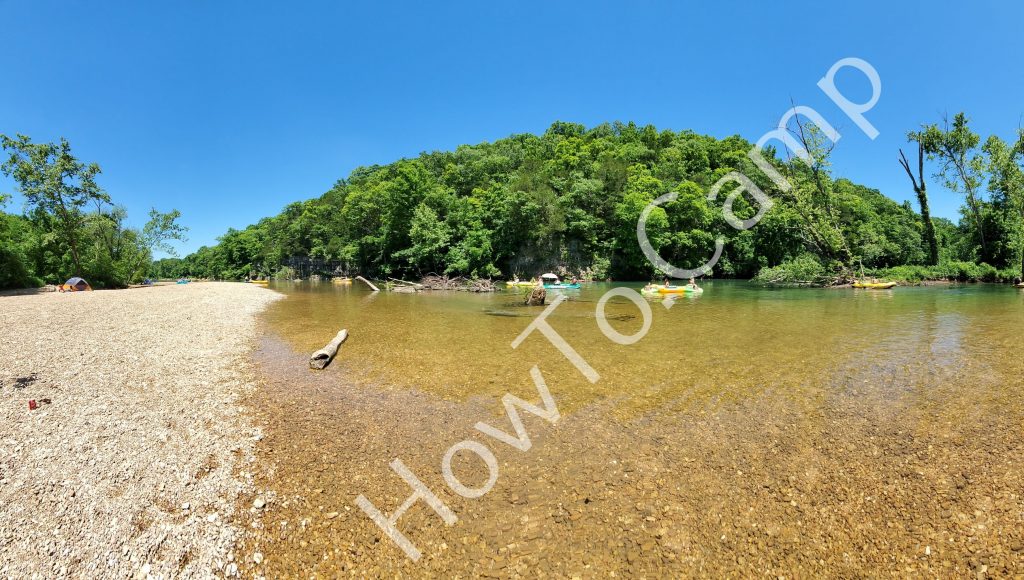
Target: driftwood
(435,282)
(407,283)
(368,283)
(537,296)
(322,357)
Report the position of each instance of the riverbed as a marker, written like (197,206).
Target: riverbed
(749,431)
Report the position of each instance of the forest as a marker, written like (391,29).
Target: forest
(569,200)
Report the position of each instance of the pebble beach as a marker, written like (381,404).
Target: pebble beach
(131,463)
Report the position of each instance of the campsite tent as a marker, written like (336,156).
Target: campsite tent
(75,284)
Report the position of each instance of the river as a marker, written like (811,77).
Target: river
(750,430)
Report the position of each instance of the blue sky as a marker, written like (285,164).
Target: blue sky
(229,110)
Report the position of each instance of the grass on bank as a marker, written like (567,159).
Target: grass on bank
(808,270)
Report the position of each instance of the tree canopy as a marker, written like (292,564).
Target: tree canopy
(69,227)
(569,200)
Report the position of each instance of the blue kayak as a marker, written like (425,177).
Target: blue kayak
(562,286)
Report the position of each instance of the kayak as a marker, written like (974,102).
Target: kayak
(874,285)
(260,282)
(513,283)
(562,286)
(341,280)
(678,290)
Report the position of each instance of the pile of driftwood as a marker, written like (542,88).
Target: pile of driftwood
(435,282)
(396,285)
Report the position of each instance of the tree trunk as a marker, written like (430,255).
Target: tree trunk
(929,227)
(73,241)
(922,198)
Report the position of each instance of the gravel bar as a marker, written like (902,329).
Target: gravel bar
(131,464)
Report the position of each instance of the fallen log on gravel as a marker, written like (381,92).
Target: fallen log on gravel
(323,357)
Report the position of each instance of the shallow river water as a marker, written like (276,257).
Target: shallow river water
(749,431)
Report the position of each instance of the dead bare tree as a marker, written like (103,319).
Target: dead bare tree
(920,189)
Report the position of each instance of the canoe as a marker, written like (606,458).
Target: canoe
(514,284)
(874,285)
(260,282)
(678,290)
(561,286)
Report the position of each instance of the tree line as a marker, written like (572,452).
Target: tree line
(569,199)
(70,227)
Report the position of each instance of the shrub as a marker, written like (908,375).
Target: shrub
(947,271)
(804,270)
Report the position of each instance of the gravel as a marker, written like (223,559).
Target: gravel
(142,438)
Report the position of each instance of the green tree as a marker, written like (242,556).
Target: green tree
(55,182)
(1006,182)
(961,166)
(429,237)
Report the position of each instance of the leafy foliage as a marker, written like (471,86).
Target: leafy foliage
(60,235)
(568,200)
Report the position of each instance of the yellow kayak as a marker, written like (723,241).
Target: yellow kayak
(260,282)
(874,285)
(341,280)
(514,283)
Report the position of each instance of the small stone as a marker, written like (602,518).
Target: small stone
(332,515)
(185,506)
(259,503)
(258,557)
(212,517)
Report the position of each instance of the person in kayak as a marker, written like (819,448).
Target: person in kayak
(693,284)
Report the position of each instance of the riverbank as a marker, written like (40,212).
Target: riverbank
(131,461)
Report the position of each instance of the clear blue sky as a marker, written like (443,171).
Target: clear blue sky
(228,110)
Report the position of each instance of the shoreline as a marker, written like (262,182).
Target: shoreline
(135,465)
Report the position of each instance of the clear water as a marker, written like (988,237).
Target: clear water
(814,430)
